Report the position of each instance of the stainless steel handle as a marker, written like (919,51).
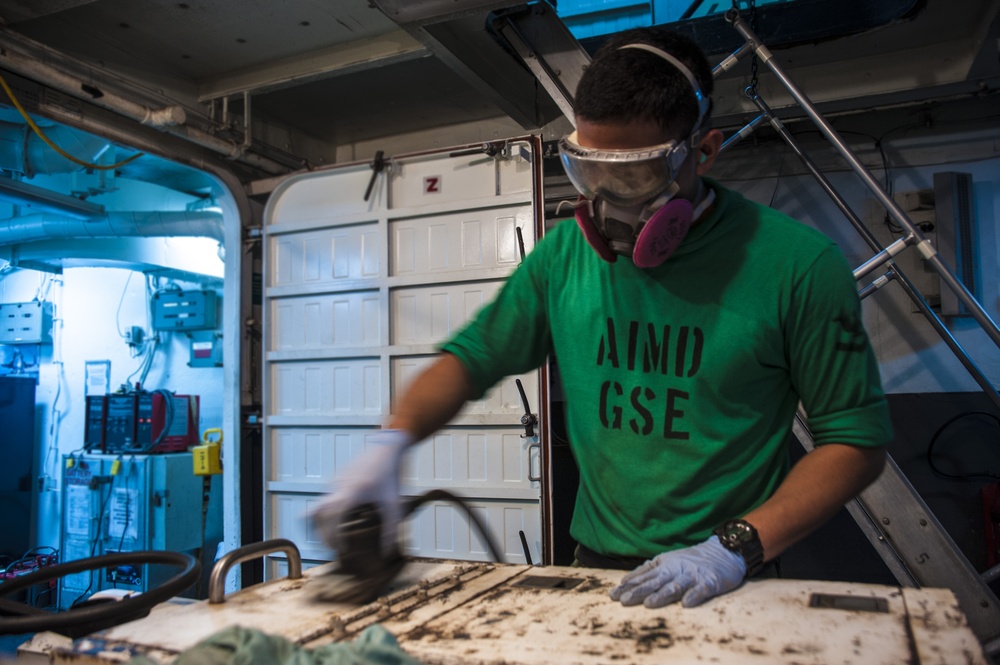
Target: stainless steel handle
(538,446)
(217,581)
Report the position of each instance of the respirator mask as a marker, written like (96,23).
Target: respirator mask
(627,205)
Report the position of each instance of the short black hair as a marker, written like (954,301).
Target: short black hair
(624,85)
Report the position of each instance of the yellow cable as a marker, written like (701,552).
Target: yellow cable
(41,135)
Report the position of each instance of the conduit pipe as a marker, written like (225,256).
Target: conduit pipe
(170,119)
(29,228)
(23,151)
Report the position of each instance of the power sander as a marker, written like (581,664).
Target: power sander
(364,570)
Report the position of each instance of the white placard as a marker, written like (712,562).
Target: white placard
(124,515)
(77,510)
(98,374)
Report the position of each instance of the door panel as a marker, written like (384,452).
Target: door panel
(358,296)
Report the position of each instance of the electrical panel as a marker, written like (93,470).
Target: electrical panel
(165,422)
(128,503)
(184,310)
(26,323)
(95,422)
(206,349)
(141,422)
(119,427)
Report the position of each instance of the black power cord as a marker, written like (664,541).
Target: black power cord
(368,569)
(444,495)
(934,441)
(16,618)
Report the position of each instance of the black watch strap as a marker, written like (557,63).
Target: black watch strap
(741,537)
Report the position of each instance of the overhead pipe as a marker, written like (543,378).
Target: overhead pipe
(169,119)
(23,151)
(29,228)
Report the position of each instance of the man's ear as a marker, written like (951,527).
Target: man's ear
(708,147)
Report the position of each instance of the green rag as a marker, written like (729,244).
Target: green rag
(237,645)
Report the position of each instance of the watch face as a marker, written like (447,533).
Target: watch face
(736,532)
(740,537)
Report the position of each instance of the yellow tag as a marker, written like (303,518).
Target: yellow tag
(116,466)
(70,462)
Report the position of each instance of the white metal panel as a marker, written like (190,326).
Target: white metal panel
(358,294)
(439,529)
(501,404)
(428,314)
(289,519)
(435,179)
(475,239)
(473,462)
(323,257)
(304,455)
(327,387)
(308,198)
(326,321)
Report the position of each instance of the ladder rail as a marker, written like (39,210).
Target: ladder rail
(884,256)
(930,254)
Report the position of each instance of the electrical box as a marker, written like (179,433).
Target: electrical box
(184,310)
(95,422)
(26,323)
(142,422)
(166,422)
(128,503)
(206,349)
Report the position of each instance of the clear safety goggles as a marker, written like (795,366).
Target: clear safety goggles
(623,177)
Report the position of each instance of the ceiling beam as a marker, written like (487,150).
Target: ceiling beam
(338,60)
(458,33)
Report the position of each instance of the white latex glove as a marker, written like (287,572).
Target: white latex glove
(691,575)
(372,478)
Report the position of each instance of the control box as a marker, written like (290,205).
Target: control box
(119,423)
(171,423)
(142,422)
(26,323)
(95,422)
(184,310)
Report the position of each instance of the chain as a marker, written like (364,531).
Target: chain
(752,6)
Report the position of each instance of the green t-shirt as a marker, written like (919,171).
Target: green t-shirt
(681,382)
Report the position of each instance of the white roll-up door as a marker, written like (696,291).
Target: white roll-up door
(357,296)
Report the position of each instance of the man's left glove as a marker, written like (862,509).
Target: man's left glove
(691,575)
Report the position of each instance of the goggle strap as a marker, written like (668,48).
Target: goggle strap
(682,68)
(703,206)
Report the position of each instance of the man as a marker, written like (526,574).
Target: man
(687,323)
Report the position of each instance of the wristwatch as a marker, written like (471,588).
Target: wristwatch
(739,536)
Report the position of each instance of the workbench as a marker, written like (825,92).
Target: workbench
(452,612)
